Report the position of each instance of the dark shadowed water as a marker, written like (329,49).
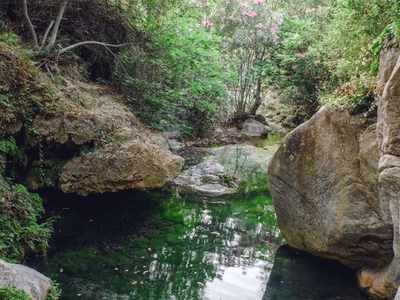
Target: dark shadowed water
(176,245)
(163,245)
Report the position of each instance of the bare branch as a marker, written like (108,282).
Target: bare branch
(30,25)
(54,33)
(47,33)
(49,71)
(90,42)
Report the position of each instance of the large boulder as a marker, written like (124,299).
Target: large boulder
(21,277)
(335,183)
(323,202)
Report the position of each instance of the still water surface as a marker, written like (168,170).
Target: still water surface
(168,244)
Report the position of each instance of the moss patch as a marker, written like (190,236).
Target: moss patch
(23,91)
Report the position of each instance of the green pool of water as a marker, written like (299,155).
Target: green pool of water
(168,244)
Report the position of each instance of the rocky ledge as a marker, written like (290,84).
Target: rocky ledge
(102,145)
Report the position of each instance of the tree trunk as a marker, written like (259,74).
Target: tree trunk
(30,25)
(258,100)
(257,95)
(54,33)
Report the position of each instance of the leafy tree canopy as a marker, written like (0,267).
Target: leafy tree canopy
(188,64)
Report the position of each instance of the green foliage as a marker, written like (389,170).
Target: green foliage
(358,95)
(10,39)
(359,22)
(387,38)
(54,292)
(327,50)
(20,231)
(178,80)
(249,31)
(8,148)
(295,67)
(11,293)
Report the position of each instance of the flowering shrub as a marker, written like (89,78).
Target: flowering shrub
(248,30)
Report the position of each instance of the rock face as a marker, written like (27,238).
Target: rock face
(320,195)
(24,278)
(335,183)
(113,150)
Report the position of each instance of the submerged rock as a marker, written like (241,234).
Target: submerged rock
(224,168)
(21,277)
(206,179)
(335,184)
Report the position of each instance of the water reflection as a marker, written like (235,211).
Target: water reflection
(164,245)
(297,275)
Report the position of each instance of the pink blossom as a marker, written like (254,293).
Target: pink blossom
(294,67)
(250,14)
(274,30)
(301,55)
(209,24)
(310,10)
(259,25)
(245,4)
(205,4)
(258,2)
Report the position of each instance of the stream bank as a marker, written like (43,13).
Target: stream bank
(174,243)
